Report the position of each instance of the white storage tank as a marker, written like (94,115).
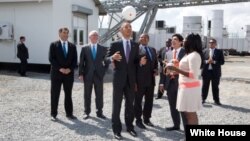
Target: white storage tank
(192,24)
(217,23)
(248,31)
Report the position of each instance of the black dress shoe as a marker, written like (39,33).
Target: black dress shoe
(86,116)
(172,128)
(132,133)
(158,98)
(71,117)
(149,123)
(159,95)
(53,118)
(118,136)
(217,103)
(140,125)
(101,116)
(203,101)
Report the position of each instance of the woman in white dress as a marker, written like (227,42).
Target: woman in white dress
(189,92)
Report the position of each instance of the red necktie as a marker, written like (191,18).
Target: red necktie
(175,52)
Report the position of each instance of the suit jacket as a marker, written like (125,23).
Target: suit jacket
(165,79)
(218,57)
(145,73)
(57,59)
(124,70)
(88,65)
(22,51)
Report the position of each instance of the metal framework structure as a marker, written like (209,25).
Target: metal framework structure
(149,8)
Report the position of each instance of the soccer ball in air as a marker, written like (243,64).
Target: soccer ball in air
(129,13)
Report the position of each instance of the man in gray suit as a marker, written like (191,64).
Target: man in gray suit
(92,69)
(172,78)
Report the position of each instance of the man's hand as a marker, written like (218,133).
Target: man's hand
(161,88)
(62,70)
(143,60)
(65,70)
(117,56)
(210,61)
(81,77)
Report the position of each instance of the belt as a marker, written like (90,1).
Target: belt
(189,84)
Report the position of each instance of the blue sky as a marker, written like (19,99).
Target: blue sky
(236,16)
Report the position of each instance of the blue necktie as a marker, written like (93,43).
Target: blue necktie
(64,49)
(94,51)
(127,51)
(148,53)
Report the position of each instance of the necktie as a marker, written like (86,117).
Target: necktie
(148,53)
(175,52)
(94,51)
(210,57)
(176,64)
(64,49)
(127,51)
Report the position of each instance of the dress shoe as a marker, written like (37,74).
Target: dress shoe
(217,103)
(158,97)
(148,123)
(132,133)
(172,128)
(71,117)
(53,118)
(118,136)
(23,75)
(86,116)
(101,116)
(203,101)
(140,125)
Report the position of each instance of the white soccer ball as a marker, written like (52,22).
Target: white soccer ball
(129,13)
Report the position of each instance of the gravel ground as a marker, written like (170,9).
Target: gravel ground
(25,109)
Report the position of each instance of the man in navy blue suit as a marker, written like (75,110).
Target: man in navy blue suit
(211,72)
(145,83)
(63,60)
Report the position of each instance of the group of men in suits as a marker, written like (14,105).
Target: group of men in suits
(92,67)
(134,69)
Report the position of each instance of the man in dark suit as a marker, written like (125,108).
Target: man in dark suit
(124,55)
(145,83)
(23,55)
(63,60)
(172,85)
(92,69)
(161,57)
(211,72)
